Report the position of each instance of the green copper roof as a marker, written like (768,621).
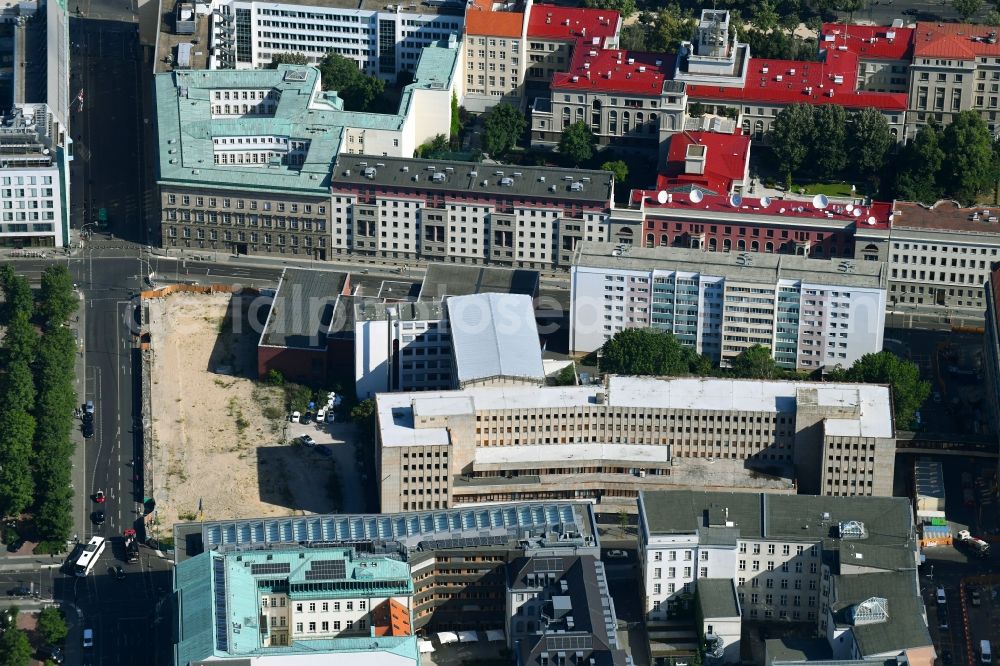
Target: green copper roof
(304,113)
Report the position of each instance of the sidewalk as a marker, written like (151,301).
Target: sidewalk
(79,474)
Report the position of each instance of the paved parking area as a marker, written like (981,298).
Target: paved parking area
(336,441)
(480,653)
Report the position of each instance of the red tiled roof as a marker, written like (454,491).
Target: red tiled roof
(480,19)
(726,161)
(609,70)
(869,42)
(785,208)
(960,41)
(572,23)
(829,82)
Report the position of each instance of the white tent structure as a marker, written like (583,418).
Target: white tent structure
(468,636)
(425,646)
(446,637)
(494,635)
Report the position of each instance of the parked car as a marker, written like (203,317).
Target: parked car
(936,397)
(87,429)
(88,638)
(97,517)
(617,554)
(15,545)
(306,440)
(99,497)
(307,417)
(22,590)
(88,407)
(295,417)
(118,573)
(976,599)
(51,653)
(330,416)
(320,416)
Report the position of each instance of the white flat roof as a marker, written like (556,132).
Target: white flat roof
(494,335)
(695,393)
(495,455)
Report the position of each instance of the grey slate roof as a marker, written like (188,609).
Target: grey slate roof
(717,598)
(457,280)
(905,627)
(794,650)
(303,309)
(546,183)
(494,335)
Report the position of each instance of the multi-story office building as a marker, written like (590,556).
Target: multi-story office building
(488,444)
(299,600)
(383,39)
(461,341)
(884,53)
(34,179)
(495,53)
(457,559)
(939,261)
(462,212)
(812,314)
(245,156)
(556,34)
(846,566)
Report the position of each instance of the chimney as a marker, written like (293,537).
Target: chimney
(694,159)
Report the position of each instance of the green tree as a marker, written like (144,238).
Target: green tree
(363,414)
(16,294)
(870,141)
(57,299)
(287,59)
(52,625)
(502,129)
(624,7)
(634,35)
(15,650)
(623,520)
(920,167)
(671,27)
(790,136)
(829,141)
(565,377)
(456,118)
(577,143)
(755,362)
(433,149)
(908,391)
(620,170)
(968,147)
(851,6)
(764,15)
(357,89)
(17,430)
(646,351)
(967,8)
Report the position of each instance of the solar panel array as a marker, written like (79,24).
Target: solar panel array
(327,570)
(221,621)
(469,542)
(270,568)
(567,642)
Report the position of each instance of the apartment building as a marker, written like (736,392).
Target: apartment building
(457,559)
(557,605)
(383,39)
(462,212)
(884,53)
(298,600)
(461,341)
(496,53)
(844,566)
(811,313)
(245,156)
(34,179)
(939,261)
(493,444)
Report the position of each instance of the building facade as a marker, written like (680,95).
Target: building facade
(495,53)
(811,314)
(490,444)
(831,563)
(382,39)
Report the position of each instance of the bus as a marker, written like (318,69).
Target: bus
(88,558)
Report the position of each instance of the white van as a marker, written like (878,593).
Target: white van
(985,652)
(941,598)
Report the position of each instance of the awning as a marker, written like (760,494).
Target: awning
(425,646)
(468,636)
(494,635)
(445,637)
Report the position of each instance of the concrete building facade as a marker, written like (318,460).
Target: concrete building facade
(491,444)
(812,314)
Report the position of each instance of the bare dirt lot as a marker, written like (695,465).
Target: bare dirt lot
(221,437)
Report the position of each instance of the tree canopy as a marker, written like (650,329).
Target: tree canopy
(433,149)
(52,625)
(357,89)
(908,391)
(663,31)
(967,8)
(620,170)
(755,362)
(967,143)
(502,128)
(15,649)
(624,7)
(288,59)
(577,143)
(829,140)
(922,159)
(870,141)
(57,298)
(790,136)
(648,351)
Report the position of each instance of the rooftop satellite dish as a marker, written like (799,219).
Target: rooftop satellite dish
(735,200)
(661,196)
(850,207)
(857,212)
(697,196)
(781,210)
(765,202)
(820,202)
(871,219)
